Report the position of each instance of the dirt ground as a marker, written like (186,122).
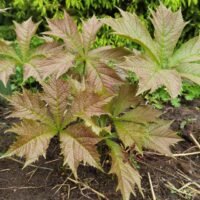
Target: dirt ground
(172,178)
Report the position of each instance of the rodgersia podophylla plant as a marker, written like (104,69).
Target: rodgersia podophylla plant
(160,63)
(83,101)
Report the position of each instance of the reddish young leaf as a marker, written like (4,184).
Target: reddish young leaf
(32,142)
(78,144)
(87,103)
(56,94)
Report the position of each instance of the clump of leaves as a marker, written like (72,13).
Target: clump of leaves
(69,111)
(82,108)
(20,53)
(160,63)
(91,63)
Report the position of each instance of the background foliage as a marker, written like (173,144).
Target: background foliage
(81,9)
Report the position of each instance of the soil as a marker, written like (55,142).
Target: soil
(49,180)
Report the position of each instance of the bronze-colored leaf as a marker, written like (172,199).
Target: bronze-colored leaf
(87,103)
(127,176)
(109,53)
(6,69)
(101,77)
(25,32)
(78,144)
(161,137)
(90,29)
(32,142)
(67,30)
(57,64)
(55,95)
(28,105)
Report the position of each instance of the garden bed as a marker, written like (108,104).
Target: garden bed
(49,180)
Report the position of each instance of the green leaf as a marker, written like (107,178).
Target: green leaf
(168,27)
(188,52)
(190,71)
(151,77)
(160,65)
(126,98)
(131,134)
(130,26)
(161,137)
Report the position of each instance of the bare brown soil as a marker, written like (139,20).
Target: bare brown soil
(49,180)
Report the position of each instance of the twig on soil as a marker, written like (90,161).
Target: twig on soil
(61,185)
(47,162)
(88,187)
(151,186)
(189,149)
(31,173)
(4,170)
(153,167)
(189,179)
(31,165)
(21,188)
(180,193)
(186,154)
(194,140)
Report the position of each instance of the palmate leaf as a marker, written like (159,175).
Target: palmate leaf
(29,106)
(125,99)
(56,94)
(90,29)
(161,65)
(8,61)
(32,142)
(54,111)
(88,104)
(127,176)
(131,27)
(151,77)
(168,27)
(6,69)
(57,64)
(25,32)
(66,29)
(79,45)
(131,127)
(78,144)
(140,125)
(39,58)
(31,59)
(161,137)
(190,71)
(100,76)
